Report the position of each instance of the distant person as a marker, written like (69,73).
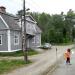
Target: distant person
(68,56)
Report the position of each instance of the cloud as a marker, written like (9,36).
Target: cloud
(48,6)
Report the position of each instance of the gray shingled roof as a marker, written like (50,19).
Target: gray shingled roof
(38,30)
(10,20)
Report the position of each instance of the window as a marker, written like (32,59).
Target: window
(16,39)
(0,39)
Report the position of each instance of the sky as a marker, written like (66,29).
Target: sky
(47,6)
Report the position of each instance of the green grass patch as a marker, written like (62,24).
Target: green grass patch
(64,44)
(8,65)
(18,53)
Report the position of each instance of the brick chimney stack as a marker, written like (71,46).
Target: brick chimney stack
(2,9)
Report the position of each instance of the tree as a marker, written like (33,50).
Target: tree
(55,28)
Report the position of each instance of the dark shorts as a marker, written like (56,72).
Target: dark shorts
(68,60)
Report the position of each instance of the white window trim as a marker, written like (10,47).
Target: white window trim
(14,39)
(1,39)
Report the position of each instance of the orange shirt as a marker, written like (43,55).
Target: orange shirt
(67,54)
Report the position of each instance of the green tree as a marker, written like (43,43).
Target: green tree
(57,28)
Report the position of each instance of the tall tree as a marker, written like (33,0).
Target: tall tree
(57,28)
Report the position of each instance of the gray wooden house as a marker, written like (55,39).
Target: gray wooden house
(10,32)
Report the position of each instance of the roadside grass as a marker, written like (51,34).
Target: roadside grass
(64,44)
(8,65)
(18,53)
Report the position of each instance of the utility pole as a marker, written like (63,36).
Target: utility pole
(24,35)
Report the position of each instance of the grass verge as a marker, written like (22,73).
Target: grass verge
(8,65)
(18,53)
(64,44)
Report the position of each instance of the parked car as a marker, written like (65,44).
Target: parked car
(47,45)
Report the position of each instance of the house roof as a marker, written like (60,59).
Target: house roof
(10,21)
(38,30)
(30,18)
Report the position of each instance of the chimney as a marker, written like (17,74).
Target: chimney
(2,9)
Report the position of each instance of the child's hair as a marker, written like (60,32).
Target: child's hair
(68,50)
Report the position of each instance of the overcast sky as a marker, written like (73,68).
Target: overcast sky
(48,6)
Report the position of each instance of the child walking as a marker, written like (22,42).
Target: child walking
(68,56)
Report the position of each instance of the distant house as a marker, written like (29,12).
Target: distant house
(10,32)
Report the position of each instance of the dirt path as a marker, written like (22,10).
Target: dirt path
(41,61)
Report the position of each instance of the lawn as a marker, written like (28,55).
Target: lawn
(18,53)
(8,65)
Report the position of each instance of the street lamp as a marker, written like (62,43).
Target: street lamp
(27,9)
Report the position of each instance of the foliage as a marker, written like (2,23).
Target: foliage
(57,28)
(8,65)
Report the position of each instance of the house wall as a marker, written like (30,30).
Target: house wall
(35,41)
(30,28)
(31,44)
(3,33)
(28,43)
(38,40)
(4,46)
(13,46)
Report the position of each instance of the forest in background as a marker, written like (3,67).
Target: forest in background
(56,28)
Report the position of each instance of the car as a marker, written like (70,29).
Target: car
(47,46)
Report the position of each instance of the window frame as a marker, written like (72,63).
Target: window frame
(16,39)
(1,39)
